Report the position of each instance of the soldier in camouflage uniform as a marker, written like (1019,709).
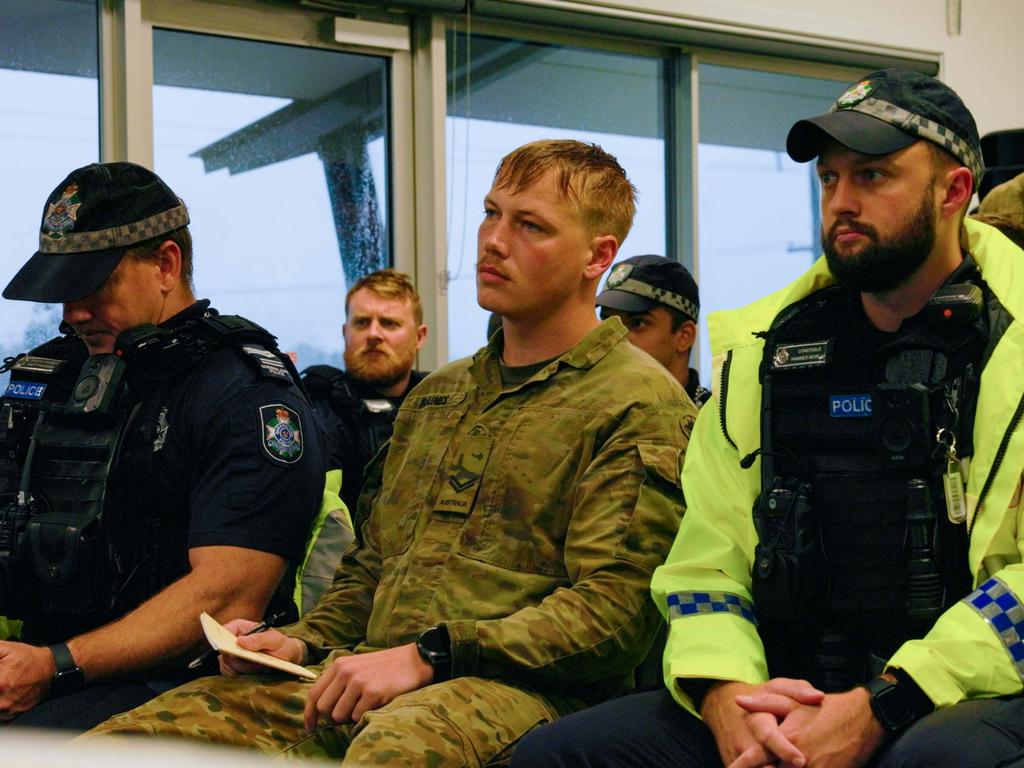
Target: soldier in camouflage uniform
(508,537)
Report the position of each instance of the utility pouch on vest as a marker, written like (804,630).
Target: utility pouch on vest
(789,577)
(68,561)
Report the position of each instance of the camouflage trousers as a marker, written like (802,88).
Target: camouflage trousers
(468,721)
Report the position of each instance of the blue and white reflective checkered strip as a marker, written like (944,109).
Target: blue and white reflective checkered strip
(1002,610)
(683,604)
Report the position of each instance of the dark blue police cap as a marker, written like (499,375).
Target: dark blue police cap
(888,110)
(88,223)
(640,283)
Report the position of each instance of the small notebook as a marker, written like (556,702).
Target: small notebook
(222,640)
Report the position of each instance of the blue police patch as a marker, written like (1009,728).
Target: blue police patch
(25,390)
(282,433)
(849,406)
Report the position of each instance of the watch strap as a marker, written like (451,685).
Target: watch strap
(69,677)
(897,704)
(919,699)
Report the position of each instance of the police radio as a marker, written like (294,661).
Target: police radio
(789,574)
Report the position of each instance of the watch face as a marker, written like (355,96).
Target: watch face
(67,681)
(434,647)
(892,707)
(432,641)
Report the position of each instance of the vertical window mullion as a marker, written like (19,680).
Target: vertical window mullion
(126,83)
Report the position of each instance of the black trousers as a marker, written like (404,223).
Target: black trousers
(78,712)
(650,730)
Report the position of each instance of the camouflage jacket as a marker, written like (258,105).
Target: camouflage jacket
(527,519)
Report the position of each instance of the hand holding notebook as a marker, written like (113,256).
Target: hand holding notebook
(222,640)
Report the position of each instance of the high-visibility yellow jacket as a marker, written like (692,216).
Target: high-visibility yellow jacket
(704,588)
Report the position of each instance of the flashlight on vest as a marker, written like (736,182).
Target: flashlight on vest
(924,582)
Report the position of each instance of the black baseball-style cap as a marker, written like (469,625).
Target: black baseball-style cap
(888,110)
(96,214)
(640,283)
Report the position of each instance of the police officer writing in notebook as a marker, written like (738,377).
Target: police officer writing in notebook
(158,460)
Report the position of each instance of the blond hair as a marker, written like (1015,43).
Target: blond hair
(389,284)
(589,179)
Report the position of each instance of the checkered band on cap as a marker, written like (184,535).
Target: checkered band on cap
(923,127)
(660,295)
(115,237)
(684,604)
(1003,612)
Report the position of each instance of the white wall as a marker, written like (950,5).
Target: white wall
(984,63)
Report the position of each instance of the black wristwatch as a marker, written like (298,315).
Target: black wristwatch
(898,705)
(435,647)
(69,677)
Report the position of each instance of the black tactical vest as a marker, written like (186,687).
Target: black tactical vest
(79,543)
(355,422)
(857,550)
(369,420)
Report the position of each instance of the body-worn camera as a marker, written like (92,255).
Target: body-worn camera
(902,415)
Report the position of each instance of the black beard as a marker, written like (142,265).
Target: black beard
(884,265)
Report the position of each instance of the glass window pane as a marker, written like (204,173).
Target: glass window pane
(757,209)
(49,115)
(513,92)
(280,153)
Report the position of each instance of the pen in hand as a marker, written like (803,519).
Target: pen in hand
(266,624)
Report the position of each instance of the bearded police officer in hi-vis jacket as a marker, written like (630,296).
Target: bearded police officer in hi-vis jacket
(847,585)
(159,460)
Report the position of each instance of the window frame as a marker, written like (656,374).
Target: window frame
(418,193)
(126,85)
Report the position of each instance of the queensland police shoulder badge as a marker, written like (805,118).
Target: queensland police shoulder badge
(282,433)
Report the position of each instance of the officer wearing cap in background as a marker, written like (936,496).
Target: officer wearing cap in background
(159,460)
(658,302)
(845,586)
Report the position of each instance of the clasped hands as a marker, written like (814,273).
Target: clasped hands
(790,724)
